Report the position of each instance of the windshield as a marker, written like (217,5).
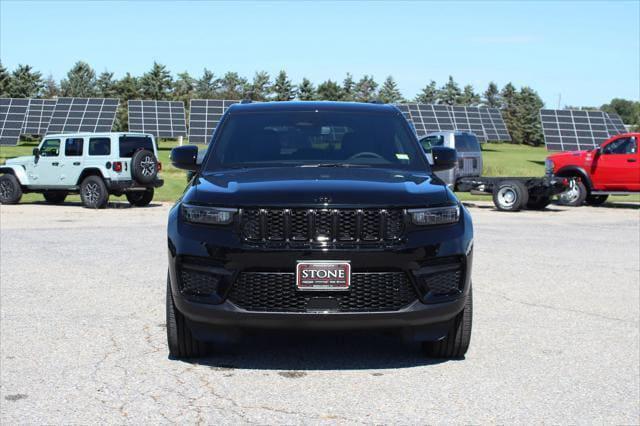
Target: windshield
(315,139)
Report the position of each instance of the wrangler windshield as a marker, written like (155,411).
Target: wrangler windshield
(315,139)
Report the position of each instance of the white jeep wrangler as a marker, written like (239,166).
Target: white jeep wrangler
(93,164)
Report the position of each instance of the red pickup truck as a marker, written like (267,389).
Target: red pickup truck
(611,169)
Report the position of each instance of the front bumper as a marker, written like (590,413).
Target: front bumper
(424,318)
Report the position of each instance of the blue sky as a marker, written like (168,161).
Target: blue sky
(589,52)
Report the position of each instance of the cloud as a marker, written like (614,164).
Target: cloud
(505,39)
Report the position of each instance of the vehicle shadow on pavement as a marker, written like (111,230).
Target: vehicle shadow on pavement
(551,209)
(336,351)
(111,205)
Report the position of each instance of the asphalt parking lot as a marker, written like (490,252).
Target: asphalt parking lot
(556,332)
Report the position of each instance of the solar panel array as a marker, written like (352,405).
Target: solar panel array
(486,123)
(204,116)
(72,115)
(615,124)
(467,119)
(494,126)
(12,114)
(38,116)
(163,119)
(573,130)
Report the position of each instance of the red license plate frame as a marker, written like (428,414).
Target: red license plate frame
(323,275)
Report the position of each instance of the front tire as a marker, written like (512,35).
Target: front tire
(181,342)
(140,198)
(10,190)
(456,342)
(575,196)
(55,197)
(596,200)
(510,195)
(93,193)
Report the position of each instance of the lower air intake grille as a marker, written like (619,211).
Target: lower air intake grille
(276,292)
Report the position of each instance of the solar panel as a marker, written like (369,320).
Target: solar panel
(12,114)
(467,119)
(163,119)
(573,130)
(615,124)
(38,116)
(72,115)
(493,124)
(427,118)
(204,116)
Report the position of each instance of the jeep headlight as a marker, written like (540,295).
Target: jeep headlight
(435,215)
(208,215)
(548,166)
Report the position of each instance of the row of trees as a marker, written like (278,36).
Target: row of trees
(520,106)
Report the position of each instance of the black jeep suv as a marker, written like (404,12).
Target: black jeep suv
(317,216)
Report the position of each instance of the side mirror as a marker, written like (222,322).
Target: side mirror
(443,158)
(36,152)
(185,157)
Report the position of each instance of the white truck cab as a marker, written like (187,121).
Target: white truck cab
(467,147)
(93,164)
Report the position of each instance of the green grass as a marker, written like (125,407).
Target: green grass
(499,160)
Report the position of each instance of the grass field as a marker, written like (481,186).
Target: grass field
(499,160)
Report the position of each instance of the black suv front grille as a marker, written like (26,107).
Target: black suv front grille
(341,226)
(277,292)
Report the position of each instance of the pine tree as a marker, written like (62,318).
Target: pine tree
(157,83)
(207,86)
(306,91)
(389,92)
(25,83)
(232,86)
(348,88)
(450,93)
(51,89)
(128,87)
(428,95)
(283,89)
(527,112)
(329,91)
(260,88)
(365,89)
(184,87)
(106,85)
(469,97)
(5,78)
(80,81)
(492,96)
(509,106)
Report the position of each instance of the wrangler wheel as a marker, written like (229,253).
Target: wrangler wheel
(10,190)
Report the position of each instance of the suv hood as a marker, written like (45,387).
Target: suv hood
(18,161)
(310,187)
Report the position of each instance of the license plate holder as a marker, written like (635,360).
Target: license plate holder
(323,275)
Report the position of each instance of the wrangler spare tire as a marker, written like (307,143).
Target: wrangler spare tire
(144,166)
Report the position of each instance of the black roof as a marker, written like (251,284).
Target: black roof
(312,106)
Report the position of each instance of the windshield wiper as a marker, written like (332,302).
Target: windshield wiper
(333,165)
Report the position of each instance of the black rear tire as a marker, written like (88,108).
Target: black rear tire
(140,198)
(538,203)
(93,193)
(456,343)
(144,166)
(510,195)
(575,196)
(596,200)
(181,342)
(55,197)
(10,190)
